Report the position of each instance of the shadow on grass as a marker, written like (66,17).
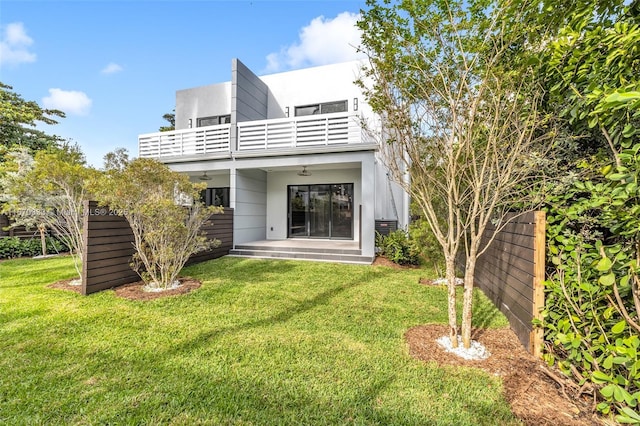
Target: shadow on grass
(322,298)
(281,317)
(240,399)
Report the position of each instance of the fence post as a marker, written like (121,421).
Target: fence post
(86,205)
(537,335)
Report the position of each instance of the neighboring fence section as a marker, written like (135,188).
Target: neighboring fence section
(108,247)
(4,223)
(18,231)
(511,273)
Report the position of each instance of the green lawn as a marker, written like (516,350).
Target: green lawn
(261,342)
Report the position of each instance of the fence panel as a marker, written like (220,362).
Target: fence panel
(511,274)
(18,231)
(108,243)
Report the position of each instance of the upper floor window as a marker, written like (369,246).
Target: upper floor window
(323,108)
(213,120)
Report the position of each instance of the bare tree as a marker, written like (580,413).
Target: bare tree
(50,191)
(466,133)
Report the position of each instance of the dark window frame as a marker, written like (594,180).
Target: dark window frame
(216,119)
(321,108)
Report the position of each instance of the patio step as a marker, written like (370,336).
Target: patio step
(321,255)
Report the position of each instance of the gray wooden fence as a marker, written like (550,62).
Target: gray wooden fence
(108,247)
(511,273)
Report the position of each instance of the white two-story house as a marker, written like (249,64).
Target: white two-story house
(288,153)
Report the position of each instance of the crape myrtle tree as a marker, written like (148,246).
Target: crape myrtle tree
(50,190)
(466,131)
(18,163)
(165,213)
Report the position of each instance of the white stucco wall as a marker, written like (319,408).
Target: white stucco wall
(315,85)
(199,102)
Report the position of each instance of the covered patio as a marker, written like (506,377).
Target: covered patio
(343,251)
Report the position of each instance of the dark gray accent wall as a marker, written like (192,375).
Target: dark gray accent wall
(249,94)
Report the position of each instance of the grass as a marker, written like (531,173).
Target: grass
(261,342)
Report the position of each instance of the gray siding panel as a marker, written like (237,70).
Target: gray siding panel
(251,205)
(249,94)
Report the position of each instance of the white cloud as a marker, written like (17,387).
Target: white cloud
(112,68)
(14,45)
(323,41)
(68,101)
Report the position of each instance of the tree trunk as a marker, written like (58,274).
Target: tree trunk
(43,239)
(467,300)
(451,296)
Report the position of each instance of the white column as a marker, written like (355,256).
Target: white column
(368,198)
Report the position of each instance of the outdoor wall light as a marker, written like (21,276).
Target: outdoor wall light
(355,104)
(190,123)
(286,112)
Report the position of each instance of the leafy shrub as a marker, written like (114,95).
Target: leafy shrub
(397,248)
(12,247)
(591,316)
(425,244)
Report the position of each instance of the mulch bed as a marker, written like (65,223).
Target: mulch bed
(65,285)
(535,397)
(134,291)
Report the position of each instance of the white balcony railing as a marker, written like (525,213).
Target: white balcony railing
(281,133)
(201,140)
(299,132)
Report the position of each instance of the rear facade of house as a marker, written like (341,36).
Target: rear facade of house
(289,154)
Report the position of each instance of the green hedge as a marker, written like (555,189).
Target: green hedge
(12,247)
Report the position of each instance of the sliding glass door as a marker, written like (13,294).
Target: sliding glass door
(342,211)
(298,210)
(321,211)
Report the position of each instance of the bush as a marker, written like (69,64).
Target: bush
(425,244)
(12,247)
(397,248)
(591,318)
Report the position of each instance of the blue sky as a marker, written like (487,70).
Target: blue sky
(114,66)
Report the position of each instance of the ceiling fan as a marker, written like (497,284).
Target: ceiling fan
(304,172)
(204,176)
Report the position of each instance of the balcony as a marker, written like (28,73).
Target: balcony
(187,142)
(314,131)
(299,132)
